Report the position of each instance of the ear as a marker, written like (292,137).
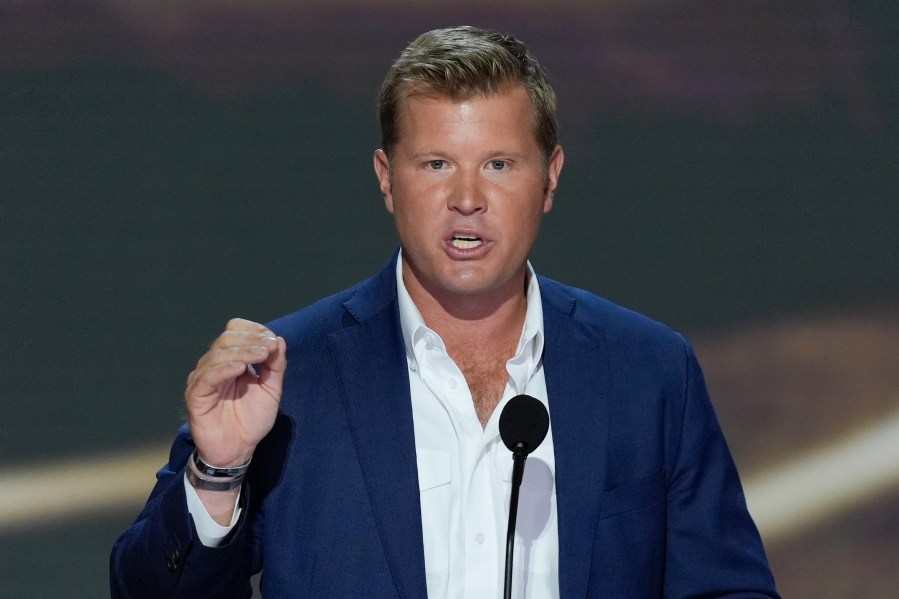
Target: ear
(553,170)
(382,171)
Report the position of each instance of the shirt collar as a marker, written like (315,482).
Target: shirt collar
(530,345)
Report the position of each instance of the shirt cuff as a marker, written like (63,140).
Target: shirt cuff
(209,531)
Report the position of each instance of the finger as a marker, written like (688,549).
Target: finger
(271,371)
(240,338)
(237,339)
(244,354)
(242,324)
(239,332)
(210,380)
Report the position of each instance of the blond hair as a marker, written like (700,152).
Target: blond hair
(460,62)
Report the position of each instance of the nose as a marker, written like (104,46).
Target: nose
(467,194)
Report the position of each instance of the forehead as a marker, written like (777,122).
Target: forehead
(509,110)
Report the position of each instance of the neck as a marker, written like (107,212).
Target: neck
(481,331)
(487,315)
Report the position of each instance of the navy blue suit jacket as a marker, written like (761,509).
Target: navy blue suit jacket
(648,500)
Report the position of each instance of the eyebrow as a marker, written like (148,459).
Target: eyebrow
(491,154)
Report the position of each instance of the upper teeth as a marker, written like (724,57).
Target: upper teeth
(465,241)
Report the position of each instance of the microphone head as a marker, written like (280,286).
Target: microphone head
(523,424)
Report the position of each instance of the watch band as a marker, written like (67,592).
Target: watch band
(213,478)
(218,471)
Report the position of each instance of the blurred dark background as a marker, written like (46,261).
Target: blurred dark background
(731,170)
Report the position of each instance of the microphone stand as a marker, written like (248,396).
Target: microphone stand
(523,425)
(519,455)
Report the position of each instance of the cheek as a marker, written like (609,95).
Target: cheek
(532,213)
(528,225)
(418,208)
(410,223)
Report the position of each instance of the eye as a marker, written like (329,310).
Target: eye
(497,165)
(436,165)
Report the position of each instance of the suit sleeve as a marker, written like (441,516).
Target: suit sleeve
(160,555)
(713,547)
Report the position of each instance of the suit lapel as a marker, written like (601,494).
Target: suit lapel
(373,375)
(576,373)
(374,382)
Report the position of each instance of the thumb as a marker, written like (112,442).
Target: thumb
(271,372)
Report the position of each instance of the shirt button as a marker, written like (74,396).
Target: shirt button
(479,538)
(452,384)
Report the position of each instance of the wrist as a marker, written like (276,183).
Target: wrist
(208,477)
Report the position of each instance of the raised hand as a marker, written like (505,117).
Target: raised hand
(231,406)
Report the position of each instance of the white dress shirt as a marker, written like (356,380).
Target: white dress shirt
(464,470)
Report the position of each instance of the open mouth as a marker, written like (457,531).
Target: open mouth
(466,242)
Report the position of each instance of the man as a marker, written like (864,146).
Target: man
(371,416)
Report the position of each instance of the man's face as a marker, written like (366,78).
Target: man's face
(467,188)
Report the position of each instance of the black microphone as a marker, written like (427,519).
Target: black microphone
(523,425)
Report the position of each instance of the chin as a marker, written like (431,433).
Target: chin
(472,283)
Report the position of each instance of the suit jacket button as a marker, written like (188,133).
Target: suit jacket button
(173,559)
